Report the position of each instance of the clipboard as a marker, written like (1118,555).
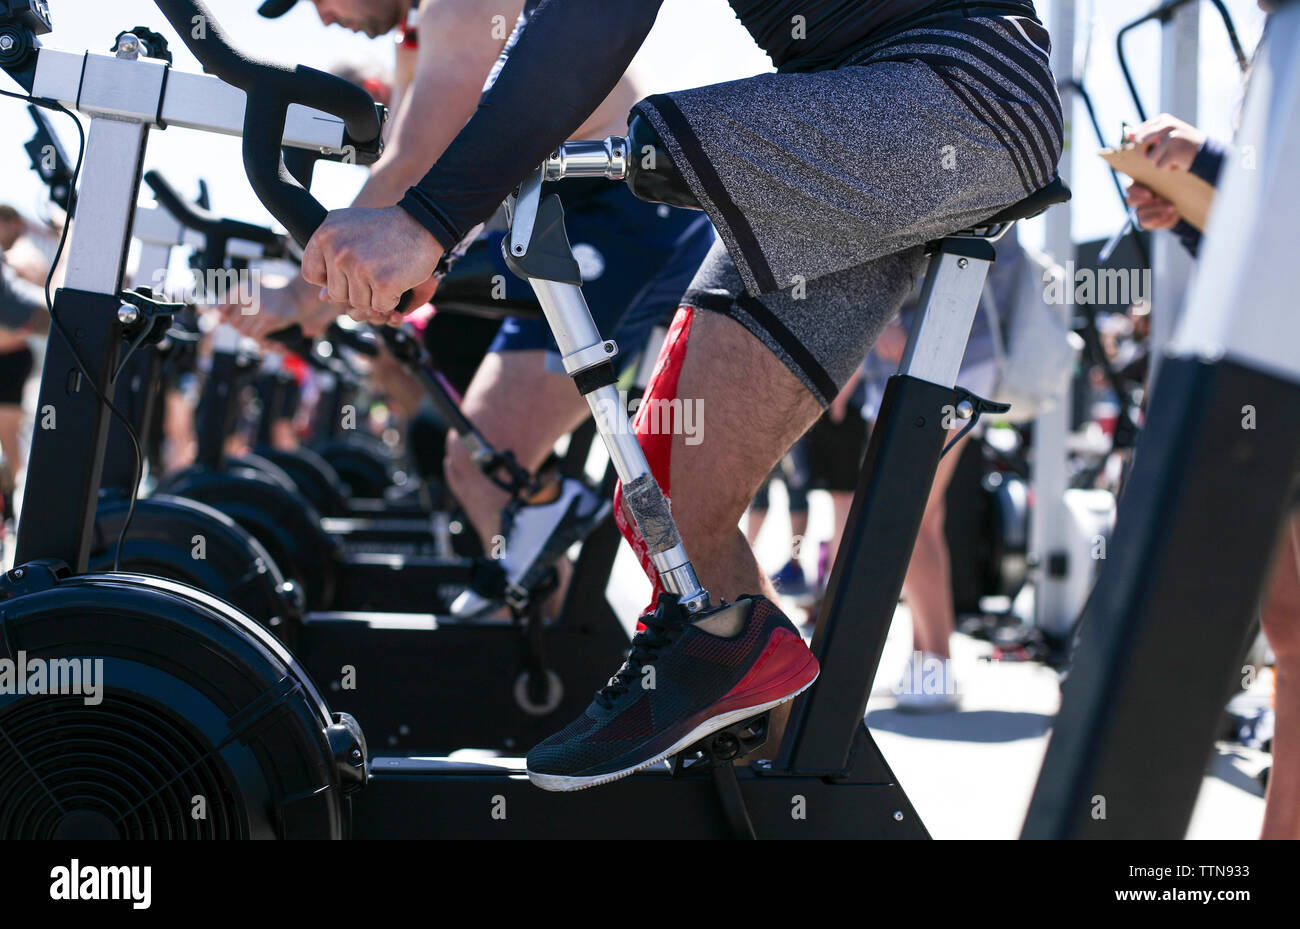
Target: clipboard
(1190,195)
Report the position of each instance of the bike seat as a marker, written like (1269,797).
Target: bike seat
(1053,193)
(1049,195)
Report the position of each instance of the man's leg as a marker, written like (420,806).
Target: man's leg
(683,680)
(794,471)
(516,404)
(757,512)
(751,409)
(11,428)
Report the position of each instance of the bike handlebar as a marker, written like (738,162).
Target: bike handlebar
(270,89)
(209,224)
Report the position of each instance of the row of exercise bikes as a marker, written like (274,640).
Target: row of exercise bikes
(254,612)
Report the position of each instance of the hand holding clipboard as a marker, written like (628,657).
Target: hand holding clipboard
(1190,195)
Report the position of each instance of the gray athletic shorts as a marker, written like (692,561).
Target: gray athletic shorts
(825,186)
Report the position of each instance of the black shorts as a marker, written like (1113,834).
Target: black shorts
(835,452)
(15,368)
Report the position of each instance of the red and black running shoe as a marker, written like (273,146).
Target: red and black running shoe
(680,683)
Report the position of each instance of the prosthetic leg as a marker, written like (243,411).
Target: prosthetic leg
(538,251)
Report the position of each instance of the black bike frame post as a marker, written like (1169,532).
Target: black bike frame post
(274,388)
(218,404)
(892,491)
(1161,636)
(139,383)
(135,395)
(71,429)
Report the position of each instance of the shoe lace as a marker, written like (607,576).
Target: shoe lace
(659,632)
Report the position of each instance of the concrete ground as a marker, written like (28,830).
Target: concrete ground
(970,774)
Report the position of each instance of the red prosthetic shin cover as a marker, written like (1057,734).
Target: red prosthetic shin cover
(655,431)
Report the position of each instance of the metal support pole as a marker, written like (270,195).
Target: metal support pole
(1049,518)
(1172,268)
(67,462)
(576,335)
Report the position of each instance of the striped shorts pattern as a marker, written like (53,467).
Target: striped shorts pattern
(825,186)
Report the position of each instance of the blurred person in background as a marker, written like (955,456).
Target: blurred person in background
(790,580)
(23,271)
(928,683)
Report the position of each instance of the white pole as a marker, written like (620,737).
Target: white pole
(1171,266)
(1049,517)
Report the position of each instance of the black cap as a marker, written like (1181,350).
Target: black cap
(273,9)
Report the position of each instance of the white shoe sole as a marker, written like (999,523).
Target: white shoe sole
(562,783)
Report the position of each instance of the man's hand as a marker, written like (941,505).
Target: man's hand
(364,260)
(276,308)
(1153,211)
(1171,143)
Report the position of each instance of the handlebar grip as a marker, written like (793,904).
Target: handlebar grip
(193,216)
(280,193)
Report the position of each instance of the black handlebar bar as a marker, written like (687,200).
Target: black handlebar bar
(270,89)
(209,224)
(363,341)
(1163,13)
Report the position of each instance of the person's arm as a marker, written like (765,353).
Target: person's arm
(405,61)
(565,63)
(456,51)
(1208,162)
(458,47)
(22,305)
(27,261)
(1207,165)
(1175,146)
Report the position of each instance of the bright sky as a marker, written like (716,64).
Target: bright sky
(694,42)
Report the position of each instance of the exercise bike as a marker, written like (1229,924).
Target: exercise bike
(278,761)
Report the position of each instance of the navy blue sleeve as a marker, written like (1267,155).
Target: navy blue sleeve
(1189,235)
(1208,163)
(567,60)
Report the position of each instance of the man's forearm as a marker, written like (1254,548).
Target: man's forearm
(567,61)
(459,43)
